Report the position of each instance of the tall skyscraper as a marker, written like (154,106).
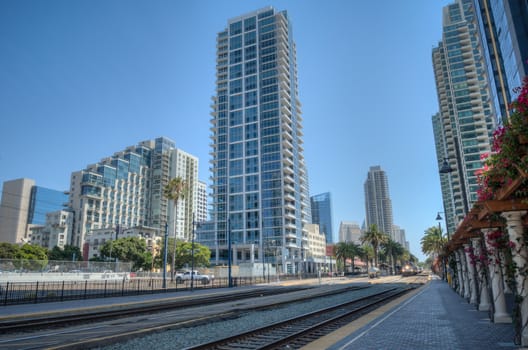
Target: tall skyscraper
(378,204)
(260,191)
(24,204)
(465,123)
(125,190)
(322,214)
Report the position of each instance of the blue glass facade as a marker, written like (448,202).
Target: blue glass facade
(44,200)
(504,30)
(322,214)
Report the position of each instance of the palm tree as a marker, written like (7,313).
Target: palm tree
(341,253)
(393,250)
(367,253)
(175,190)
(375,238)
(347,250)
(353,251)
(433,242)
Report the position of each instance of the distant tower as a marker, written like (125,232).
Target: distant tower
(350,232)
(322,214)
(398,235)
(377,201)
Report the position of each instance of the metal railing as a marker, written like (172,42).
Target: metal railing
(52,291)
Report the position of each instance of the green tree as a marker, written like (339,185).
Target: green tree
(341,252)
(433,242)
(393,252)
(32,257)
(175,190)
(9,250)
(69,253)
(347,250)
(184,257)
(367,253)
(127,249)
(375,238)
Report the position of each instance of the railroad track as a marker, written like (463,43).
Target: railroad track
(299,331)
(90,316)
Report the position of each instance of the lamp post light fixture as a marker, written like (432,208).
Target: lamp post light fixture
(446,168)
(439,218)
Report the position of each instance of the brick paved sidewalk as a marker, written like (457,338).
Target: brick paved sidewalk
(435,318)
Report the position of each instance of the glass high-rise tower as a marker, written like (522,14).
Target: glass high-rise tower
(259,191)
(464,126)
(503,26)
(322,214)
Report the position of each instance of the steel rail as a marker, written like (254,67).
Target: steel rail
(120,311)
(298,331)
(27,323)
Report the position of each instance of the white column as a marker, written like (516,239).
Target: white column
(482,281)
(500,314)
(471,275)
(465,277)
(520,257)
(459,273)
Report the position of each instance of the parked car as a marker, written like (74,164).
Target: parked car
(373,272)
(196,276)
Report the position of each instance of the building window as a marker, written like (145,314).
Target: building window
(250,24)
(235,134)
(235,28)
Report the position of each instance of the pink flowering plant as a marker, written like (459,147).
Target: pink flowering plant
(508,159)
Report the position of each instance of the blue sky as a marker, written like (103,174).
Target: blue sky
(80,80)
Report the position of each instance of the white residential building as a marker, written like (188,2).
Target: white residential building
(96,238)
(56,231)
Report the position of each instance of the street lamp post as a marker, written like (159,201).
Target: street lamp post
(263,256)
(164,285)
(439,218)
(444,260)
(229,281)
(192,254)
